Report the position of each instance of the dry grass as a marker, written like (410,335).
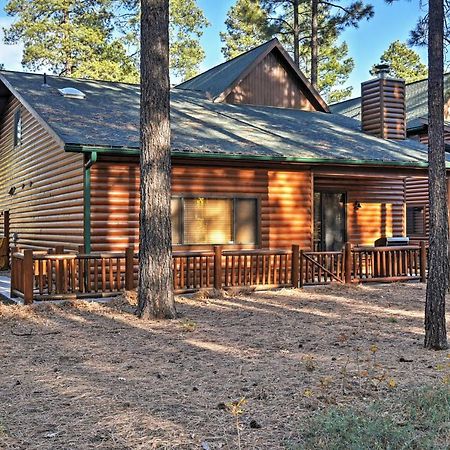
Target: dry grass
(85,375)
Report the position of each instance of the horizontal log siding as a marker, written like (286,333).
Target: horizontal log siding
(383,111)
(47,207)
(382,211)
(271,84)
(284,200)
(290,209)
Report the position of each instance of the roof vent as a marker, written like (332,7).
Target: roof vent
(70,92)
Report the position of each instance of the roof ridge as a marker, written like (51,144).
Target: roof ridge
(225,62)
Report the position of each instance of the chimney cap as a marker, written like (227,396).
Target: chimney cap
(382,70)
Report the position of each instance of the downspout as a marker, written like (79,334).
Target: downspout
(87,201)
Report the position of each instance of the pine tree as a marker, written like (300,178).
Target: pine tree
(187,22)
(294,17)
(247,27)
(438,264)
(186,26)
(155,251)
(334,63)
(70,38)
(404,62)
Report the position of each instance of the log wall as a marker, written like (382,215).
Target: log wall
(383,111)
(284,199)
(46,207)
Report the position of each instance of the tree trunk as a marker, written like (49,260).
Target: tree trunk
(314,44)
(155,252)
(435,328)
(296,33)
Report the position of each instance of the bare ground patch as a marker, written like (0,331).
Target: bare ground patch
(83,375)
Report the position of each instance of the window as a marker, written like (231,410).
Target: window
(17,128)
(415,221)
(214,220)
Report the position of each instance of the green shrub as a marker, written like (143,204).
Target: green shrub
(418,421)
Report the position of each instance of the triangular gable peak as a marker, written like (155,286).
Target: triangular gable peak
(273,81)
(265,76)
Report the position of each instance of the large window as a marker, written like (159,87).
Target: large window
(17,128)
(214,220)
(415,221)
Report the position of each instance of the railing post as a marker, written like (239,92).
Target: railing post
(13,272)
(59,250)
(218,267)
(28,277)
(82,278)
(129,269)
(6,233)
(348,262)
(423,262)
(295,269)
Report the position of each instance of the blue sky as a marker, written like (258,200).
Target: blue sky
(366,43)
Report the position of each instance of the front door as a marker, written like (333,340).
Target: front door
(329,221)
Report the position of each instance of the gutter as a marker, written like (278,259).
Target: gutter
(87,200)
(178,154)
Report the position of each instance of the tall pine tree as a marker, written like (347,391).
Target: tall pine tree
(69,37)
(263,19)
(404,62)
(155,292)
(186,26)
(313,21)
(247,27)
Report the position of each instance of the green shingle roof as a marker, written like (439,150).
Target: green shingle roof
(109,118)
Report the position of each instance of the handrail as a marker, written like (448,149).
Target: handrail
(386,249)
(57,274)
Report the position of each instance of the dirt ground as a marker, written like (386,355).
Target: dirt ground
(86,375)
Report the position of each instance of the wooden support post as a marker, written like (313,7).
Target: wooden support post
(348,263)
(296,267)
(218,267)
(129,269)
(6,232)
(14,274)
(81,274)
(59,269)
(28,277)
(423,262)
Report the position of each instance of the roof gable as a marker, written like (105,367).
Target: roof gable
(222,82)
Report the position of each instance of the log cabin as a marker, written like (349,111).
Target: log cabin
(416,127)
(258,161)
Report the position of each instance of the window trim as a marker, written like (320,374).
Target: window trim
(424,224)
(232,197)
(17,140)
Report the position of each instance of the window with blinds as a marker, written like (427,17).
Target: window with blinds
(214,221)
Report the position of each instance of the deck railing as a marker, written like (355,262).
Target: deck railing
(63,275)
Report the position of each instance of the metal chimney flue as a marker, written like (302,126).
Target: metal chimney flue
(45,84)
(382,71)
